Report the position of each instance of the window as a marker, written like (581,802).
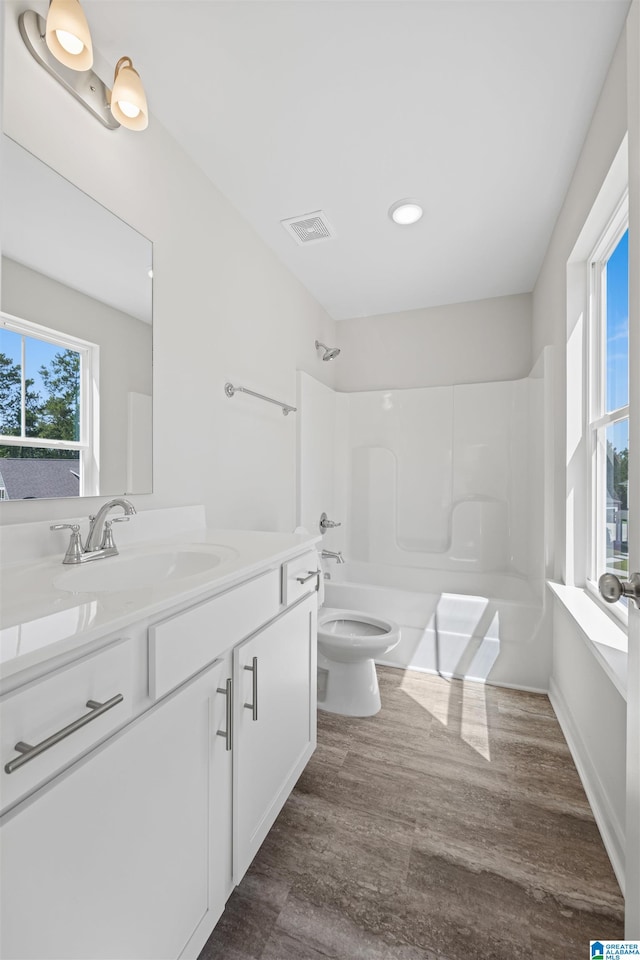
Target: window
(608,399)
(48,438)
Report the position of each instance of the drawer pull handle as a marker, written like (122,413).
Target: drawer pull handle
(228,733)
(29,752)
(310,575)
(254,706)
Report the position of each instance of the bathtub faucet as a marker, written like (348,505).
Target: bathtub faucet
(332,555)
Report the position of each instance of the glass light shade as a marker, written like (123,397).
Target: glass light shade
(128,100)
(405,212)
(67,35)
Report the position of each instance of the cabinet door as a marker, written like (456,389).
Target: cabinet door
(275,674)
(112,859)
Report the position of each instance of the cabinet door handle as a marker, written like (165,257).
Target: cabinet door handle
(228,733)
(310,575)
(254,706)
(29,752)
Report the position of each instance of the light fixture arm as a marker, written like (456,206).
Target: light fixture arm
(121,62)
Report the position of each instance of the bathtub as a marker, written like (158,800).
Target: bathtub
(478,626)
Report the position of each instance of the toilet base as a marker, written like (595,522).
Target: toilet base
(350,689)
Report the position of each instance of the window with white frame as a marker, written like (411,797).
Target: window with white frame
(48,434)
(608,399)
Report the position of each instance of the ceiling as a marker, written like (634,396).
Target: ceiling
(477,108)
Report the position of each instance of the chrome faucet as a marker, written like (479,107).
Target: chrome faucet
(100,541)
(100,527)
(332,555)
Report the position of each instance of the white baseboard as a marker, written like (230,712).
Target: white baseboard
(611,830)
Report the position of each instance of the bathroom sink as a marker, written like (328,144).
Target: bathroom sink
(140,570)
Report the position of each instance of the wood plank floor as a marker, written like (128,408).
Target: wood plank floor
(452,825)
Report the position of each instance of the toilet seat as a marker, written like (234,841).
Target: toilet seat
(350,635)
(349,625)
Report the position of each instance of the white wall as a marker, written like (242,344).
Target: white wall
(597,739)
(549,321)
(593,717)
(475,342)
(224,307)
(125,354)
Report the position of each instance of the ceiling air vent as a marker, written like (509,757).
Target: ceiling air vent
(310,228)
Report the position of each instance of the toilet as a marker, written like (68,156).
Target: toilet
(348,643)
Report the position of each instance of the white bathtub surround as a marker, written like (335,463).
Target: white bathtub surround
(318,473)
(441,477)
(349,643)
(487,627)
(441,491)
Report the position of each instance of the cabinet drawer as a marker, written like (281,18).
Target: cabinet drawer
(296,581)
(39,710)
(184,644)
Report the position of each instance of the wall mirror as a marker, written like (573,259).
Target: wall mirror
(75,340)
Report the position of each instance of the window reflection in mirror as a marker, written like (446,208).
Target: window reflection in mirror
(75,341)
(47,444)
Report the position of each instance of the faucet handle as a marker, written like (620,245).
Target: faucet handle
(107,537)
(75,548)
(326,524)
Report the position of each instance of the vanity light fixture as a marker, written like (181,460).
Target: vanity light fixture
(405,212)
(67,34)
(62,45)
(128,100)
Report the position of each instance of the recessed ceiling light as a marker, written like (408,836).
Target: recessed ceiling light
(405,212)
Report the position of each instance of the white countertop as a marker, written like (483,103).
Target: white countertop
(40,621)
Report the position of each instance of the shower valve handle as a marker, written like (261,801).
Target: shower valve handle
(326,524)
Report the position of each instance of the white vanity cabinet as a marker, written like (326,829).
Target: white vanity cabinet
(275,730)
(113,860)
(126,842)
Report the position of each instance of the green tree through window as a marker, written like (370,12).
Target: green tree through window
(59,414)
(50,415)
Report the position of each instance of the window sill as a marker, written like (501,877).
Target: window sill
(606,639)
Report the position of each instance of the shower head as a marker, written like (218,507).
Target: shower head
(330,353)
